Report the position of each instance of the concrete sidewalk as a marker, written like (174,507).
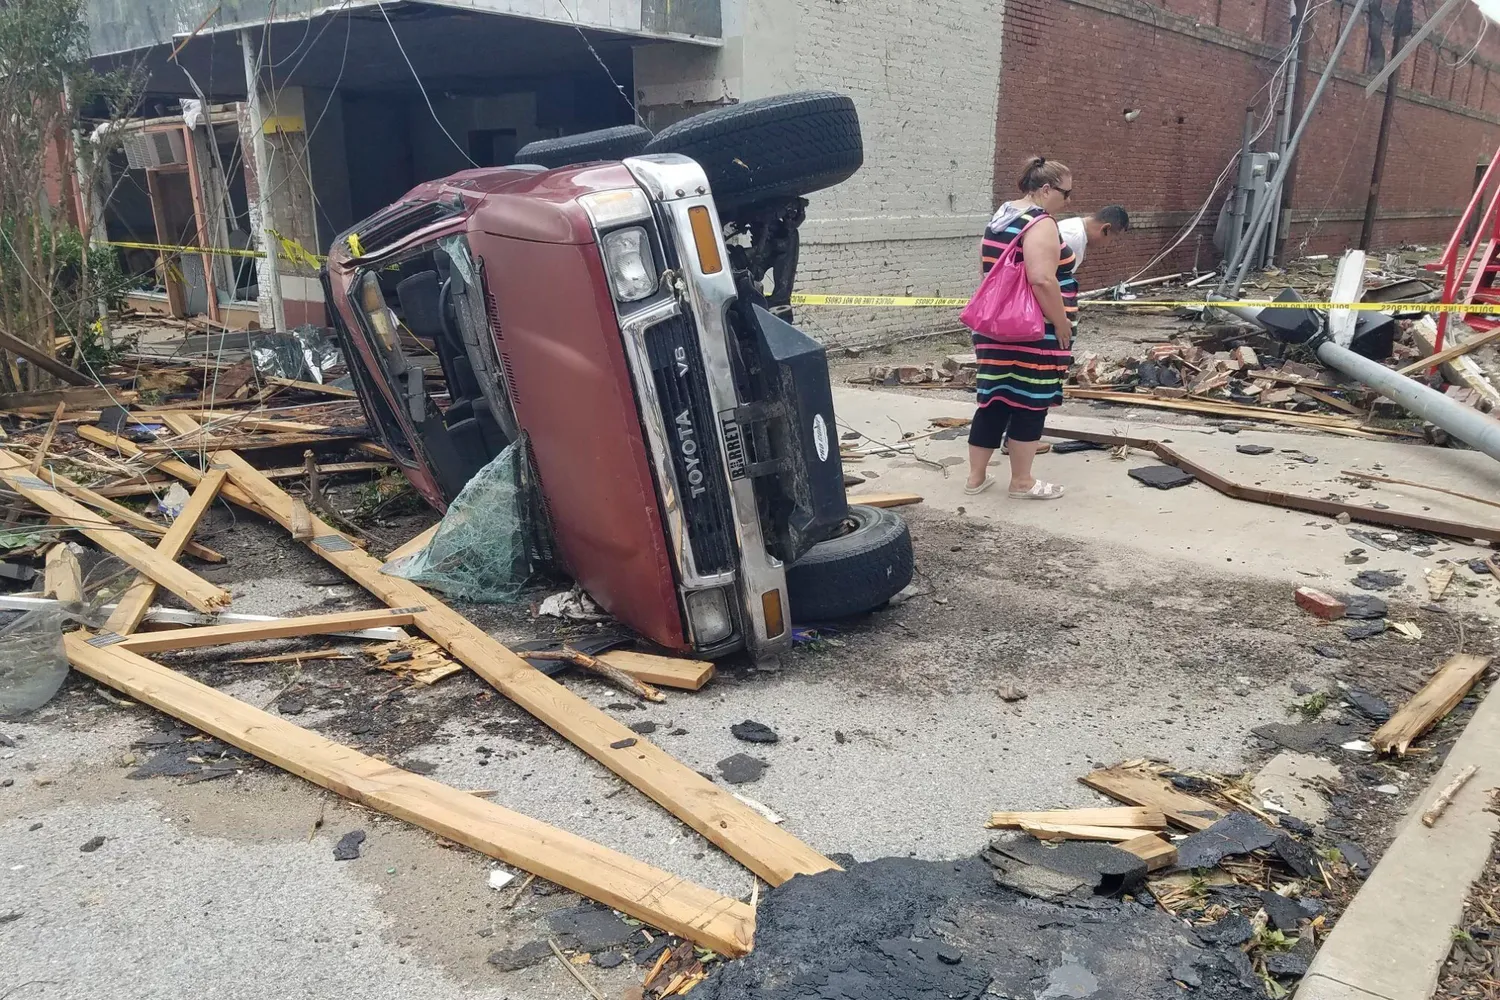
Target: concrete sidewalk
(1194,523)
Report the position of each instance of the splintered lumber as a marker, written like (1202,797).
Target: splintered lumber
(327,390)
(1438,580)
(1155,851)
(1141,789)
(1434,701)
(668,671)
(63,578)
(302,526)
(254,442)
(189,586)
(41,449)
(648,894)
(1150,819)
(172,466)
(414,544)
(1074,831)
(618,678)
(885,499)
(142,591)
(124,514)
(766,849)
(277,628)
(1459,370)
(1445,797)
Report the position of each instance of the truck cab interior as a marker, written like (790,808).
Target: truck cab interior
(426,323)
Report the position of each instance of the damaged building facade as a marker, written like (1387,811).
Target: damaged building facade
(356,101)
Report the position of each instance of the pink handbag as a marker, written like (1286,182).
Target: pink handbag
(1004,308)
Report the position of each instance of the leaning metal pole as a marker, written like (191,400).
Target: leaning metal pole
(1235,275)
(1476,429)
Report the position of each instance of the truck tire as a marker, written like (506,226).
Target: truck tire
(772,148)
(586,147)
(853,573)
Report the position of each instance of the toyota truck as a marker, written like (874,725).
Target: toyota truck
(621,304)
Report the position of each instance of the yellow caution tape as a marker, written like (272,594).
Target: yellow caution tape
(355,246)
(909,301)
(291,250)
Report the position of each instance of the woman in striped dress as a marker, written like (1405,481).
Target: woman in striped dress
(1019,382)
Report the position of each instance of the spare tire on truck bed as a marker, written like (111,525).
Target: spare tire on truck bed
(586,147)
(772,148)
(852,573)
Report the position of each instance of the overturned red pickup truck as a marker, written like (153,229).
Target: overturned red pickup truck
(605,302)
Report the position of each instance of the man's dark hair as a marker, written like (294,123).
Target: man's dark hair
(1115,216)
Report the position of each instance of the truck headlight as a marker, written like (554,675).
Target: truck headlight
(708,610)
(631,266)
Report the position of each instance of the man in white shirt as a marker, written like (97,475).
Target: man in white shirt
(1095,230)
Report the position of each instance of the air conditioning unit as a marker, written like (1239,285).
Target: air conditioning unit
(154,149)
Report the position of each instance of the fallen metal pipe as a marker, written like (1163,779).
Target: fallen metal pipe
(1479,431)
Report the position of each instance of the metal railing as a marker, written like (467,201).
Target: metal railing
(1483,234)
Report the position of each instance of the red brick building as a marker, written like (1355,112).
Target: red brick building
(1073,69)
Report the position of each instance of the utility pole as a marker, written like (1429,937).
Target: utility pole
(269,275)
(1400,28)
(1298,85)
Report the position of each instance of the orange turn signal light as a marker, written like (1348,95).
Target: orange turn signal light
(708,242)
(770,603)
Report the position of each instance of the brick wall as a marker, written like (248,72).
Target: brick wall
(1073,68)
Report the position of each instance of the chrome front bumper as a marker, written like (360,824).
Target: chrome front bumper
(677,184)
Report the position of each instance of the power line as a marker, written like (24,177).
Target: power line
(464,152)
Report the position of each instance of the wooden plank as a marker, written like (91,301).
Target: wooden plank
(43,360)
(1157,852)
(287,472)
(137,598)
(655,897)
(1333,401)
(1429,705)
(250,442)
(885,499)
(281,628)
(125,515)
(1150,819)
(747,836)
(413,544)
(1073,831)
(1392,481)
(1332,424)
(74,398)
(668,671)
(189,586)
(326,390)
(1140,789)
(1464,371)
(63,578)
(219,421)
(1449,353)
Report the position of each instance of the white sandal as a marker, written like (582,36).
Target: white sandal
(976,490)
(1039,491)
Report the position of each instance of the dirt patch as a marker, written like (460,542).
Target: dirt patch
(1473,966)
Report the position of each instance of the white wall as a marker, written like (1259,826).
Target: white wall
(925,78)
